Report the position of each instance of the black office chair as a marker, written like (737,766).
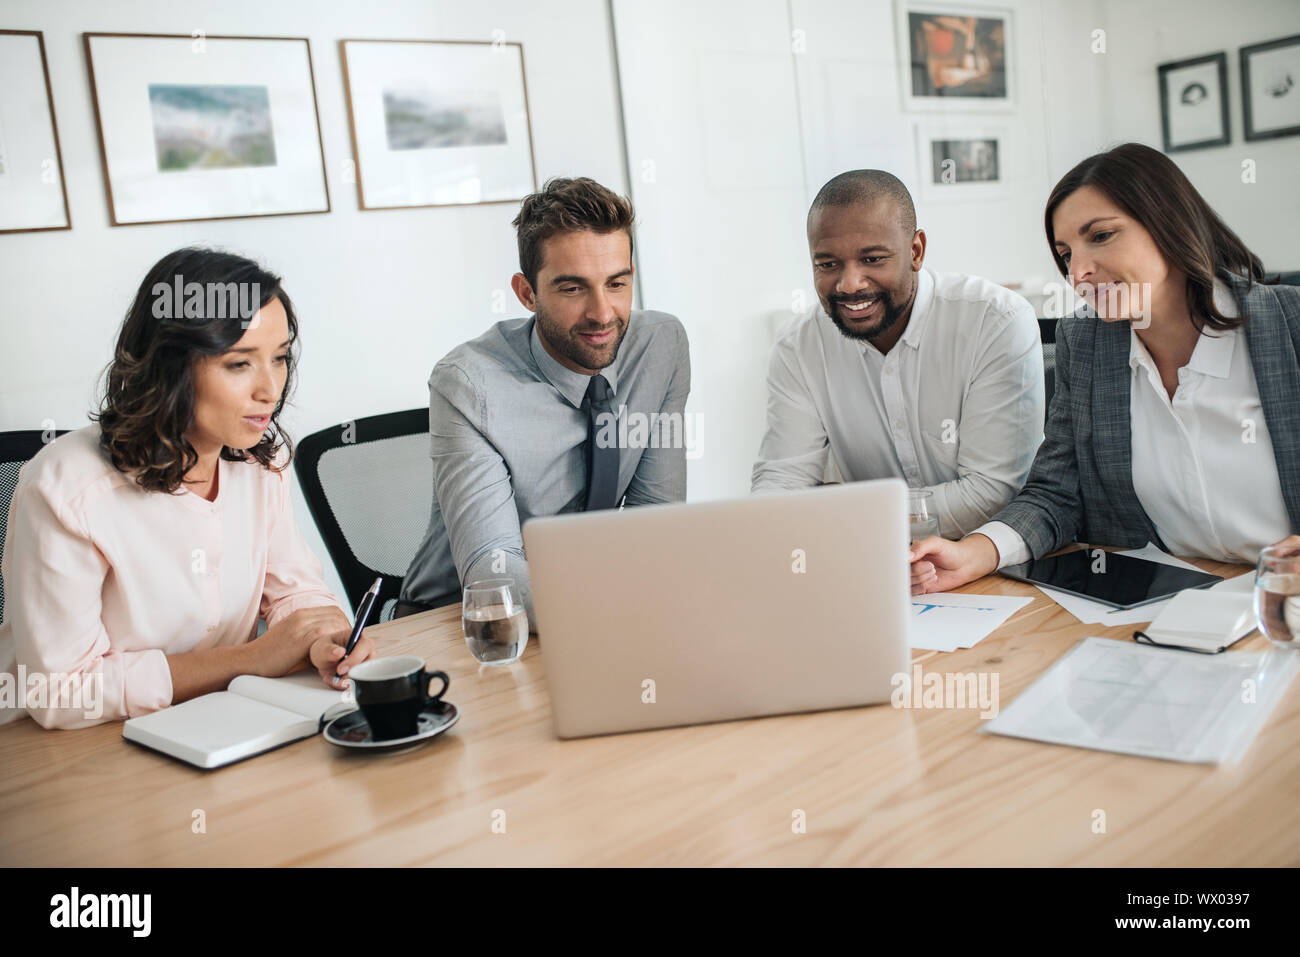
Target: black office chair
(16,449)
(369,488)
(1047,333)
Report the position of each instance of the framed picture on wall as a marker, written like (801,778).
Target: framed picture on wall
(208,127)
(963,162)
(1270,88)
(1194,102)
(32,192)
(955,58)
(438,122)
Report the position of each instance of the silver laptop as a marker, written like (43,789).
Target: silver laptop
(681,614)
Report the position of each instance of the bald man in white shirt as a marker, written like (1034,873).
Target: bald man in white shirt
(936,379)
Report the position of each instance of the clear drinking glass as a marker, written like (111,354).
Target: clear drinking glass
(920,514)
(1277,595)
(495,621)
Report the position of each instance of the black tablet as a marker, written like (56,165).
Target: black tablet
(1120,581)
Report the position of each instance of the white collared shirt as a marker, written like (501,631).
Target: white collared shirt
(1203,464)
(956,406)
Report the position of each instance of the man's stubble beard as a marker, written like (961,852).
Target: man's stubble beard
(890,319)
(574,349)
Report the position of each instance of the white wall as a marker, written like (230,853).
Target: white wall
(713,146)
(737,111)
(1266,213)
(742,131)
(853,117)
(380,295)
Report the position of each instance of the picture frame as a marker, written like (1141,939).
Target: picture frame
(955,58)
(963,162)
(438,122)
(1270,88)
(1194,103)
(201,127)
(33,193)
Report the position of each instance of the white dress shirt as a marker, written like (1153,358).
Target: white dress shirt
(956,406)
(1203,464)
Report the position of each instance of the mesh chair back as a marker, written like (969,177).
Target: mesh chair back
(1047,333)
(16,449)
(369,488)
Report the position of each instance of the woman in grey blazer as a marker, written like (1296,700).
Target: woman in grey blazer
(1176,416)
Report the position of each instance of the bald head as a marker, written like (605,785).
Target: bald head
(867,187)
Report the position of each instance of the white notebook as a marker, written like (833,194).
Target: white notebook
(251,716)
(1207,621)
(1155,702)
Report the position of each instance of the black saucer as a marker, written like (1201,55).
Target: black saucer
(352,731)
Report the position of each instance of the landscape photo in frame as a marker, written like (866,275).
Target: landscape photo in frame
(215,127)
(438,122)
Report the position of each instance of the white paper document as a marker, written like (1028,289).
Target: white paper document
(945,621)
(1096,613)
(1154,702)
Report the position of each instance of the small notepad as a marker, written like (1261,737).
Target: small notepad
(251,716)
(1207,621)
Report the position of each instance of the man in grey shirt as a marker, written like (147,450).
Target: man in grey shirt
(578,407)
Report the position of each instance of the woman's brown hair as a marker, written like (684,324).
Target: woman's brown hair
(193,303)
(1191,237)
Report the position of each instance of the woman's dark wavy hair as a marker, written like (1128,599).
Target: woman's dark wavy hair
(148,401)
(1191,237)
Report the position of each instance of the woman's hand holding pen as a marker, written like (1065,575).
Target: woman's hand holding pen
(327,656)
(286,646)
(340,651)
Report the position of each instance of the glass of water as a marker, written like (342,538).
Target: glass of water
(495,620)
(1277,595)
(920,514)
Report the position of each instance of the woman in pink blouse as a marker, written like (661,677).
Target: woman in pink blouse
(142,551)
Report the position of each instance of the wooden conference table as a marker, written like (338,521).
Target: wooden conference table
(877,785)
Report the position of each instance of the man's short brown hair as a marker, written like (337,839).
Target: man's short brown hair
(565,206)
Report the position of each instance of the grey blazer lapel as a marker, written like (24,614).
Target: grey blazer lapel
(1112,430)
(1277,375)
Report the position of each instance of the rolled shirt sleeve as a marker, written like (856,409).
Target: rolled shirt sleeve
(473,487)
(795,446)
(54,575)
(294,576)
(1001,426)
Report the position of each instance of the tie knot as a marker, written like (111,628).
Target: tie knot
(598,390)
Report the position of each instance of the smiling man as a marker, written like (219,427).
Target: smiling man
(523,419)
(935,379)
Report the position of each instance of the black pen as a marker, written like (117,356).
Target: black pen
(367,603)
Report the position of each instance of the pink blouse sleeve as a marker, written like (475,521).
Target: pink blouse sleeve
(54,575)
(293,574)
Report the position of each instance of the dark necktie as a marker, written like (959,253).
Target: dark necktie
(602,457)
